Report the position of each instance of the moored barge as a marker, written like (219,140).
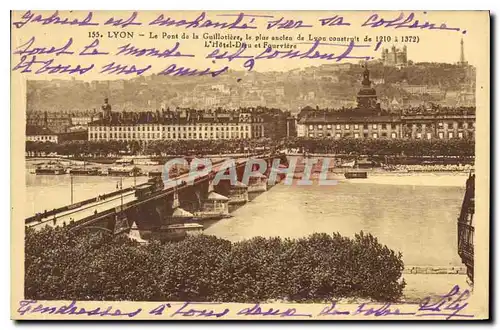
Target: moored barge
(50,170)
(122,171)
(84,171)
(356,175)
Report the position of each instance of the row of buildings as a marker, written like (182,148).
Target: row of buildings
(169,125)
(190,124)
(387,126)
(44,134)
(60,122)
(367,120)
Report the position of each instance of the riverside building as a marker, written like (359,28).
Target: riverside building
(187,124)
(368,120)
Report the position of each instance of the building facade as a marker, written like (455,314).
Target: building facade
(44,134)
(368,120)
(347,127)
(55,121)
(40,134)
(393,127)
(443,126)
(59,122)
(175,125)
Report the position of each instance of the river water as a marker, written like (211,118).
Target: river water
(46,192)
(414,214)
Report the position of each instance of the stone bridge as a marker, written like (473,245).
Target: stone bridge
(120,211)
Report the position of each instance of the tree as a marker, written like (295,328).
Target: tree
(65,265)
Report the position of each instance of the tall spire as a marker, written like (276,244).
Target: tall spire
(462,55)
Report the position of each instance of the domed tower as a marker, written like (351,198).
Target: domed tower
(106,109)
(367,96)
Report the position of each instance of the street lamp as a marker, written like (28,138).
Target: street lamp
(121,193)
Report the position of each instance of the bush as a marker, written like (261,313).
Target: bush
(62,265)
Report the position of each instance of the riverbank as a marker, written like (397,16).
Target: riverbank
(418,179)
(445,179)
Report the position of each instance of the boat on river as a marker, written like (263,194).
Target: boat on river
(84,171)
(205,216)
(190,229)
(356,175)
(122,171)
(50,170)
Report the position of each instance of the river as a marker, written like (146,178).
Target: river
(46,192)
(414,214)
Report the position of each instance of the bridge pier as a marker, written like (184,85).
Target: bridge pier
(215,205)
(192,198)
(257,183)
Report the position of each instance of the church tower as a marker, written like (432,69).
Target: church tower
(367,96)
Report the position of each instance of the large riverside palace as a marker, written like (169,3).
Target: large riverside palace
(175,125)
(368,120)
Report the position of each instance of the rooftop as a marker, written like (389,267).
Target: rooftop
(38,130)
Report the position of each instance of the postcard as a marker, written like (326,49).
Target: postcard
(250,165)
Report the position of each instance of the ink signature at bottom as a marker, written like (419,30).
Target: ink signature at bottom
(449,305)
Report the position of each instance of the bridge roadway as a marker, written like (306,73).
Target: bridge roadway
(103,208)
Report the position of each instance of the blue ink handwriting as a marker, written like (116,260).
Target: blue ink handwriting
(375,21)
(114,68)
(283,23)
(55,18)
(187,309)
(119,22)
(240,22)
(158,310)
(28,64)
(27,49)
(30,307)
(257,310)
(129,49)
(174,70)
(384,310)
(449,305)
(332,310)
(334,21)
(269,53)
(93,48)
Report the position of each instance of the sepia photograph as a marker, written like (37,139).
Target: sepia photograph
(344,183)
